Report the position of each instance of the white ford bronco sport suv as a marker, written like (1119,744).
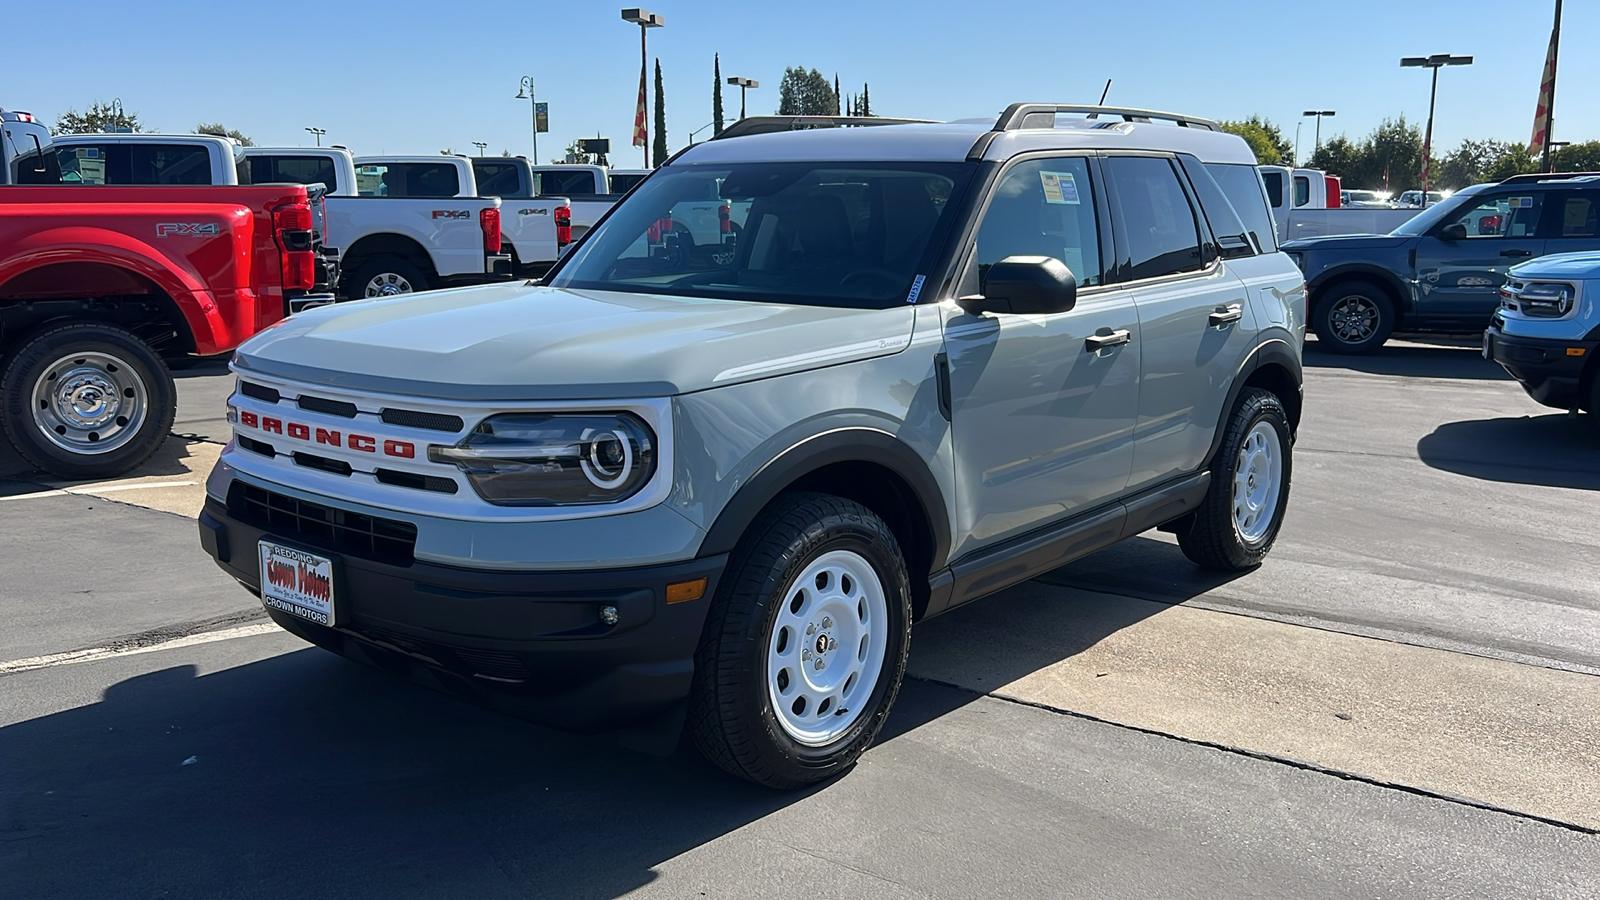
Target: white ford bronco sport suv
(710,475)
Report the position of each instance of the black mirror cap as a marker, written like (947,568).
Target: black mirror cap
(1455,231)
(1026,285)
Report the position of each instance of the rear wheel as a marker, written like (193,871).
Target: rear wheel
(1238,521)
(805,645)
(1354,317)
(385,276)
(86,401)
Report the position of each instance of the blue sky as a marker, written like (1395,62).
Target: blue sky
(406,76)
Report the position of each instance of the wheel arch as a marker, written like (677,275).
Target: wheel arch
(388,244)
(108,291)
(1275,367)
(869,466)
(1382,277)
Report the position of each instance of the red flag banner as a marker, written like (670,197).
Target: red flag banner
(1541,112)
(640,138)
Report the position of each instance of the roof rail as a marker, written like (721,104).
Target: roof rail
(1043,115)
(1549,176)
(775,124)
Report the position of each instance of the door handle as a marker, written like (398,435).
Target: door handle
(1226,315)
(1097,341)
(1516,254)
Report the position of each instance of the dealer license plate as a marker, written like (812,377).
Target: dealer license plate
(297,582)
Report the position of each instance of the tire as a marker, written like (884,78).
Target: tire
(1238,521)
(816,590)
(86,401)
(385,276)
(1353,317)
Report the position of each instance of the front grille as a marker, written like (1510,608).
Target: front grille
(494,664)
(410,418)
(255,446)
(330,407)
(323,463)
(325,527)
(260,392)
(416,482)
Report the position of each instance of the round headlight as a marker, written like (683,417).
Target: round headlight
(555,459)
(609,460)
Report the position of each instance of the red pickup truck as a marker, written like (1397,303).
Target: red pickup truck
(99,287)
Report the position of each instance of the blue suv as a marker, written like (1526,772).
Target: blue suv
(1442,271)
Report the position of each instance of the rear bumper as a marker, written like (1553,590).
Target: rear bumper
(1550,370)
(531,644)
(498,264)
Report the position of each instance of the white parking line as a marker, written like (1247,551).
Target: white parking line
(91,490)
(98,653)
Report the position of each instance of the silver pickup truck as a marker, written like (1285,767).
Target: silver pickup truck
(712,482)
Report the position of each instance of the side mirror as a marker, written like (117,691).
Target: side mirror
(1029,285)
(1455,231)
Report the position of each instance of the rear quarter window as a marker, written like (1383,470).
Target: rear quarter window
(414,180)
(558,182)
(294,170)
(1245,190)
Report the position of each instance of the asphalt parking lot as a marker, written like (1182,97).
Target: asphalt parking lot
(1400,703)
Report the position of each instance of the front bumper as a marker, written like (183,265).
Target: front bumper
(1549,369)
(527,643)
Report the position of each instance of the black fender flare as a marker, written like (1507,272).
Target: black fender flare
(1273,351)
(1368,271)
(842,445)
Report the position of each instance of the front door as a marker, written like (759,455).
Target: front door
(1459,279)
(1043,407)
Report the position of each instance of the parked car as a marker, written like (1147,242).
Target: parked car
(100,287)
(1366,200)
(1413,199)
(1441,271)
(591,190)
(680,484)
(1546,332)
(542,223)
(1309,203)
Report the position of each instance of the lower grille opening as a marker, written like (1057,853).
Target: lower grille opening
(494,665)
(416,482)
(313,461)
(329,528)
(255,446)
(260,392)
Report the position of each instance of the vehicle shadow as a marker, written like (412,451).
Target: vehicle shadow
(306,775)
(1553,450)
(1442,358)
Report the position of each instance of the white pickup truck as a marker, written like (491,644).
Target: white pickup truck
(526,208)
(1306,203)
(592,190)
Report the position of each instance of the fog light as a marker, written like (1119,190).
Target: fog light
(610,615)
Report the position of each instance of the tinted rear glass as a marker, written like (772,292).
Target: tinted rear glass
(420,180)
(497,179)
(621,184)
(1163,236)
(1274,184)
(1243,186)
(560,182)
(294,170)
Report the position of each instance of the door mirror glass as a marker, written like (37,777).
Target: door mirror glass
(1026,285)
(1455,231)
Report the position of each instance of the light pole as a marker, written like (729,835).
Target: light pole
(1297,141)
(1319,113)
(743,84)
(646,20)
(482,147)
(698,130)
(525,92)
(1434,62)
(318,133)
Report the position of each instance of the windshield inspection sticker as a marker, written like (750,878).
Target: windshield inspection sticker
(916,289)
(1059,187)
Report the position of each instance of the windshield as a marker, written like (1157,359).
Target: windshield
(1429,217)
(818,233)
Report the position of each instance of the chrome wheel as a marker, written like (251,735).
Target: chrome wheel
(1354,318)
(1257,482)
(89,403)
(387,284)
(826,649)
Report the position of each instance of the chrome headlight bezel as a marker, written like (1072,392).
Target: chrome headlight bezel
(1539,300)
(556,459)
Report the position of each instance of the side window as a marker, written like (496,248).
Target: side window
(1243,186)
(558,182)
(418,180)
(170,164)
(82,164)
(1302,191)
(1502,216)
(1274,184)
(1044,207)
(1163,236)
(621,184)
(1580,216)
(294,170)
(1232,238)
(497,179)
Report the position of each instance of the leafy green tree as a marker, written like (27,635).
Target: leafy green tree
(99,117)
(1265,139)
(716,93)
(660,149)
(1470,163)
(217,129)
(1584,157)
(1514,161)
(1337,155)
(804,92)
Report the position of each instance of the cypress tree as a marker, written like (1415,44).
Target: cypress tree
(716,94)
(661,120)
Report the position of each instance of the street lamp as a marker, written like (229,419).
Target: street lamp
(743,84)
(698,130)
(646,20)
(1434,62)
(482,147)
(1319,113)
(525,92)
(318,132)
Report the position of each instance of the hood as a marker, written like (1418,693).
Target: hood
(514,342)
(1575,266)
(1347,242)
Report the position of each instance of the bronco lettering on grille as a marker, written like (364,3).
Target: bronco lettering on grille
(361,443)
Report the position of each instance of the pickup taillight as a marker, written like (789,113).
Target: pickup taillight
(725,219)
(291,224)
(1334,187)
(563,226)
(489,221)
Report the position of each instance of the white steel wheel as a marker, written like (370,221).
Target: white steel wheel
(387,284)
(89,402)
(1257,482)
(826,647)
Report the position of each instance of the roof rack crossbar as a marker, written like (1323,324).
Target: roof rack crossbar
(774,124)
(1549,176)
(1043,115)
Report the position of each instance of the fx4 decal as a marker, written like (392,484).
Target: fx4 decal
(451,214)
(187,229)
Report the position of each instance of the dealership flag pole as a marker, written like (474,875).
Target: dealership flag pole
(1544,112)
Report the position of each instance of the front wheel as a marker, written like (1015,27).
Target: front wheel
(385,276)
(1239,519)
(86,401)
(805,643)
(1354,317)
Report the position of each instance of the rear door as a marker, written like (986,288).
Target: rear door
(1195,317)
(1460,279)
(1574,223)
